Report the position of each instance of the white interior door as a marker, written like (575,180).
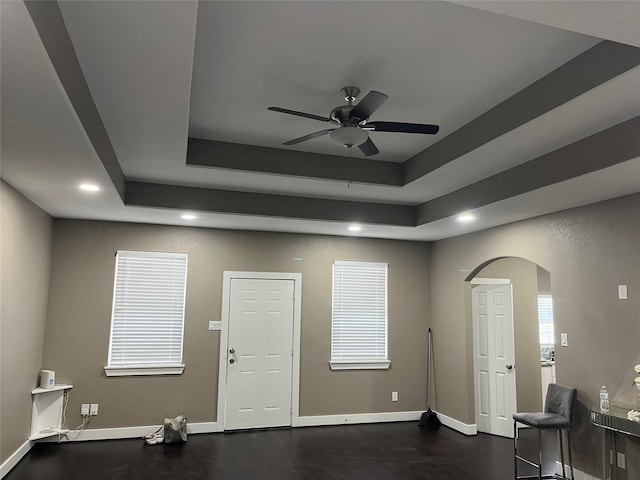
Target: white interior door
(494,354)
(259,357)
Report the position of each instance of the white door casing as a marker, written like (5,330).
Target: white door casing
(494,354)
(259,350)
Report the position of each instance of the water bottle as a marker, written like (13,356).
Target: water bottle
(604,399)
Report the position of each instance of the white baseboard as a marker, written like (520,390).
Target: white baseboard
(305,421)
(466,428)
(205,427)
(128,432)
(319,420)
(579,475)
(15,457)
(354,418)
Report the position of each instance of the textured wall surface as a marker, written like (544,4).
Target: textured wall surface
(25,244)
(79,318)
(588,252)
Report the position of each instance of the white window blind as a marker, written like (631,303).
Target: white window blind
(545,320)
(359,315)
(147,321)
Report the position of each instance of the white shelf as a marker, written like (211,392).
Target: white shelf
(52,389)
(47,434)
(46,415)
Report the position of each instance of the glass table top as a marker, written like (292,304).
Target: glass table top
(615,419)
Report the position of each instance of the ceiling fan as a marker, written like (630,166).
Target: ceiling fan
(353,122)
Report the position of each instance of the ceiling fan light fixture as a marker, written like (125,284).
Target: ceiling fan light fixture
(348,136)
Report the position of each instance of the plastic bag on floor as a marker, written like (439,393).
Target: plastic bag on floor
(175,429)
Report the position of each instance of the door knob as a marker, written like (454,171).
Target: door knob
(232,350)
(509,366)
(231,360)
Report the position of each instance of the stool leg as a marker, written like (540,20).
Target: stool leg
(539,454)
(515,450)
(570,459)
(561,453)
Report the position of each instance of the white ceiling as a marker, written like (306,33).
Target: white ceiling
(161,71)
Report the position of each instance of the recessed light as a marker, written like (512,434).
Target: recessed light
(89,187)
(466,217)
(188,216)
(355,228)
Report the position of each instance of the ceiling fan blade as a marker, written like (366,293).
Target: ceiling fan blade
(309,137)
(299,114)
(401,127)
(368,148)
(369,104)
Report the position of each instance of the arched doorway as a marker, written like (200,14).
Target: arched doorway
(530,288)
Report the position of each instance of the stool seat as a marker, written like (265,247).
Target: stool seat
(542,420)
(557,415)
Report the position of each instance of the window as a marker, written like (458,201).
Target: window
(147,320)
(545,320)
(359,316)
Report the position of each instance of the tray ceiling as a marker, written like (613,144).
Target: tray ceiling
(164,105)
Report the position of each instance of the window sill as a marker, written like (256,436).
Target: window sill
(360,365)
(138,370)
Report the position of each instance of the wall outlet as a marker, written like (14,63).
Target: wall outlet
(84,409)
(394,396)
(94,409)
(622,461)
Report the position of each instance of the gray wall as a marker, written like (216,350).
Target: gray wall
(588,252)
(79,317)
(25,250)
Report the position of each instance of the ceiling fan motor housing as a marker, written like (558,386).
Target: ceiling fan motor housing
(341,114)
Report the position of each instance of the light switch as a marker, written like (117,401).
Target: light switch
(564,340)
(213,325)
(622,292)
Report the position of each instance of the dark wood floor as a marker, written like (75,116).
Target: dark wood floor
(375,451)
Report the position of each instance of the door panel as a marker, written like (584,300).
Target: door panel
(495,393)
(483,380)
(259,364)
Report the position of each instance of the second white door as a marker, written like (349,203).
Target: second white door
(259,360)
(494,354)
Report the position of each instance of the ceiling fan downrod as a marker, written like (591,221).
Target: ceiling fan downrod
(350,93)
(341,114)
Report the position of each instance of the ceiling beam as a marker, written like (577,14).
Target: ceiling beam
(604,149)
(593,67)
(51,28)
(609,147)
(228,201)
(209,153)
